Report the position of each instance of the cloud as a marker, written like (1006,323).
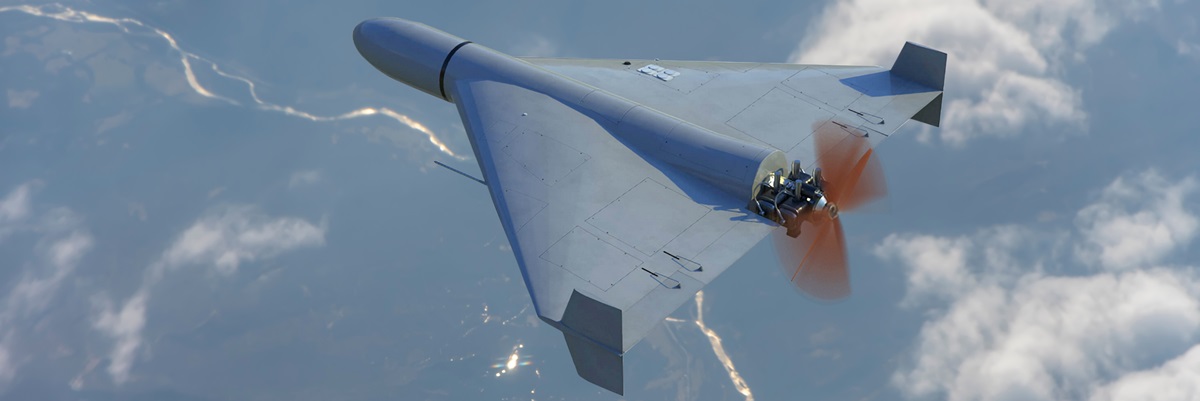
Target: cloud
(222,239)
(1187,49)
(1137,221)
(535,46)
(8,368)
(944,268)
(1178,379)
(1001,328)
(37,287)
(124,326)
(1049,338)
(231,235)
(305,177)
(161,78)
(16,205)
(63,240)
(21,99)
(938,265)
(1007,58)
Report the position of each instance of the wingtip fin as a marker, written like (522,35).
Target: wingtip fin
(922,65)
(932,113)
(597,364)
(927,67)
(593,333)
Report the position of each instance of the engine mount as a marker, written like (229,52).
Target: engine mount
(792,197)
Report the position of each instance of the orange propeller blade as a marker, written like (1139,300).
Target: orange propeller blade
(852,174)
(816,261)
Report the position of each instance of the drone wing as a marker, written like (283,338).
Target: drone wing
(610,241)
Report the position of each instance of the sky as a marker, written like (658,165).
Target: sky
(222,201)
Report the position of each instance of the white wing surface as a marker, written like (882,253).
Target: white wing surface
(609,243)
(779,105)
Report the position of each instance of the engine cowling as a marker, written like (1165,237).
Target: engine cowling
(409,52)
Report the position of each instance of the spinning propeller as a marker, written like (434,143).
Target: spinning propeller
(850,177)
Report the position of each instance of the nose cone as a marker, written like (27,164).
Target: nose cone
(373,37)
(406,51)
(362,40)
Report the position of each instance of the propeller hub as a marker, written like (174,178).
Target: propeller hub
(823,205)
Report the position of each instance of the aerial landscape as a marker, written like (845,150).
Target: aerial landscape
(224,200)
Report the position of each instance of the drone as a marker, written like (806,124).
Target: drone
(625,186)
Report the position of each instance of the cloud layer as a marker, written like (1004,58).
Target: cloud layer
(1003,328)
(1007,58)
(1139,219)
(62,242)
(221,240)
(191,62)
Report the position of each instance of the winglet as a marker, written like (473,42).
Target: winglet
(932,113)
(597,364)
(922,65)
(593,332)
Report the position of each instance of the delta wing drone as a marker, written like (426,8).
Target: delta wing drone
(625,186)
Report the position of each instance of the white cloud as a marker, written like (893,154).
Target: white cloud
(1001,328)
(1178,379)
(938,266)
(1049,338)
(1187,49)
(943,268)
(125,328)
(37,287)
(21,99)
(8,368)
(1137,220)
(57,253)
(222,239)
(535,46)
(16,205)
(305,177)
(1007,58)
(67,251)
(228,236)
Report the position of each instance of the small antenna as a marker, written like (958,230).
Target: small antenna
(873,119)
(685,262)
(664,280)
(460,172)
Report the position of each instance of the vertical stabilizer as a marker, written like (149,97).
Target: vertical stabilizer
(597,364)
(922,65)
(926,67)
(593,332)
(932,113)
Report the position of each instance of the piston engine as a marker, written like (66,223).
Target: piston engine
(790,198)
